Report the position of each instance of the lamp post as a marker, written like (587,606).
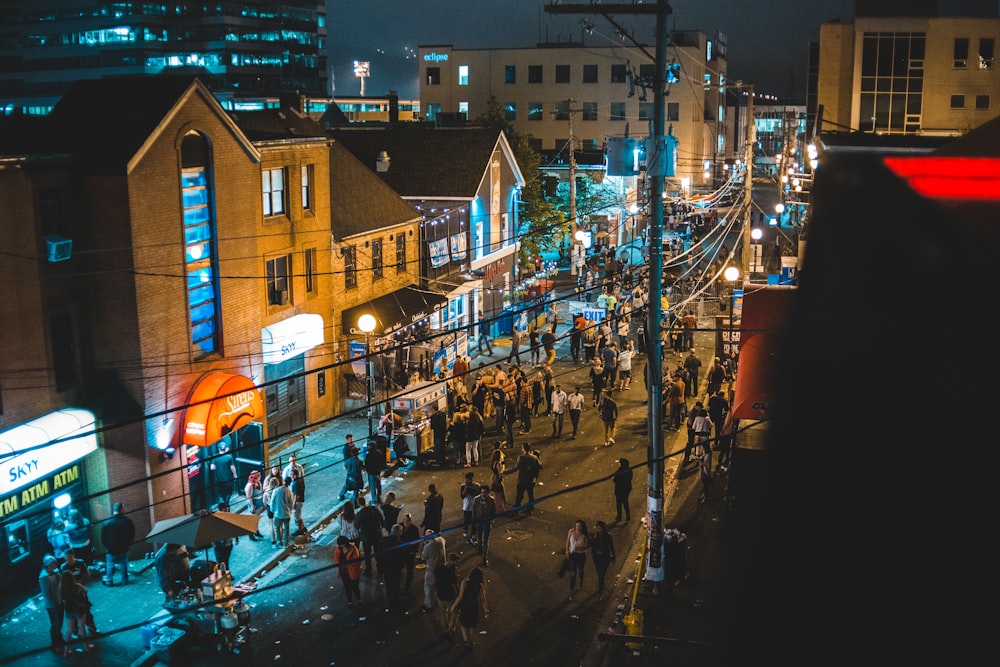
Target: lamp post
(367,324)
(756,261)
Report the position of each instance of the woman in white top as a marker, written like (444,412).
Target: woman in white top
(577,544)
(625,357)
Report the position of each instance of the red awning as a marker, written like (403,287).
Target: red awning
(219,404)
(765,312)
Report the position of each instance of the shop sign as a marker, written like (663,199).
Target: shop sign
(291,337)
(43,446)
(40,490)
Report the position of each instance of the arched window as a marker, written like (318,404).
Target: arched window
(199,244)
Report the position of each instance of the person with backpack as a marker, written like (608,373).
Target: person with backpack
(609,415)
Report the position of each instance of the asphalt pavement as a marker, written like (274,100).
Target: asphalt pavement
(687,623)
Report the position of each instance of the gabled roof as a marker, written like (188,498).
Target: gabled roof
(278,125)
(110,120)
(363,203)
(425,162)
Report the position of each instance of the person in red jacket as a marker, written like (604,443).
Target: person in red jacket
(348,560)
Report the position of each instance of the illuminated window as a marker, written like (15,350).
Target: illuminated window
(510,111)
(534,74)
(617,111)
(463,108)
(590,73)
(510,74)
(433,109)
(536,111)
(463,75)
(307,179)
(986,53)
(278,271)
(562,73)
(350,267)
(199,245)
(376,259)
(273,184)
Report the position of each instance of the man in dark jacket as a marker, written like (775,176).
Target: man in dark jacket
(117,535)
(374,465)
(391,559)
(369,523)
(528,467)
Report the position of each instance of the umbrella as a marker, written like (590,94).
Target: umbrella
(200,530)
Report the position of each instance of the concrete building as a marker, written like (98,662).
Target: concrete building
(912,71)
(588,94)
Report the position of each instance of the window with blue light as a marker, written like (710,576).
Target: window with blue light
(199,244)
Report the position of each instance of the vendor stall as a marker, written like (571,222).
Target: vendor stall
(415,438)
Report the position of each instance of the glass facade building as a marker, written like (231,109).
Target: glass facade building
(245,49)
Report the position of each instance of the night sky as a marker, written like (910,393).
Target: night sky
(768,39)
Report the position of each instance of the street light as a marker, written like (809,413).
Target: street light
(367,324)
(756,234)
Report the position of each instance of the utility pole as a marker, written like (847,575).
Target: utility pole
(748,184)
(572,186)
(656,163)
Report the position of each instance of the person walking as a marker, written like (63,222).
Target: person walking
(483,339)
(577,544)
(446,589)
(467,491)
(549,344)
(354,481)
(560,400)
(116,536)
(223,469)
(282,504)
(602,551)
(625,357)
(534,345)
(609,416)
(622,480)
(347,524)
(497,459)
(254,493)
(484,512)
(576,337)
(48,584)
(471,597)
(391,560)
(432,553)
(702,455)
(475,428)
(433,509)
(589,341)
(374,465)
(350,450)
(609,359)
(675,402)
(692,364)
(525,402)
(410,537)
(348,561)
(575,404)
(715,376)
(298,487)
(515,344)
(597,380)
(76,607)
(528,468)
(270,487)
(699,429)
(369,523)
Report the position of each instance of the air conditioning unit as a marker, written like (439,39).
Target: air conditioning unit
(58,248)
(279,298)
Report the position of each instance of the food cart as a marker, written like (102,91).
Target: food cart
(416,406)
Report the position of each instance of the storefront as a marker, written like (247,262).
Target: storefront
(42,482)
(222,407)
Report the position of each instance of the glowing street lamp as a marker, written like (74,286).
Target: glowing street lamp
(732,274)
(367,324)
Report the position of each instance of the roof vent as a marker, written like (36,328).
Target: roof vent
(382,162)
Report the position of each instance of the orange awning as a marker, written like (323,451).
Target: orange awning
(219,404)
(765,313)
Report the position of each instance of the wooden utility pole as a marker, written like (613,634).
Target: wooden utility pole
(748,184)
(656,165)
